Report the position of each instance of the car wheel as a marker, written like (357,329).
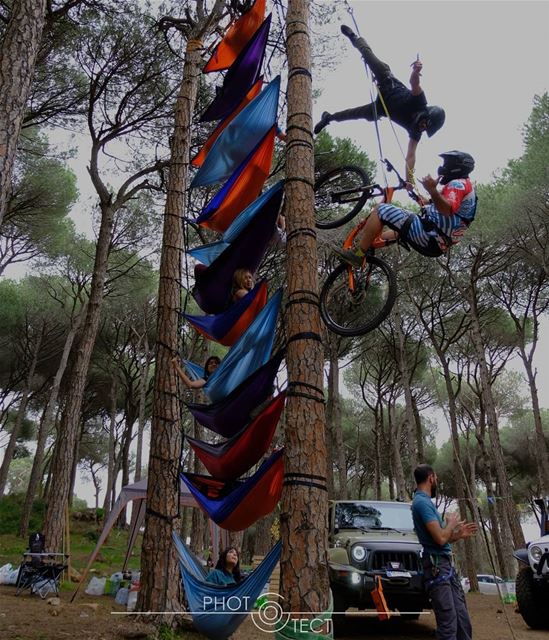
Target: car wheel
(339,610)
(531,600)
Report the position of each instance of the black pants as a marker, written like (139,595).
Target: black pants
(389,86)
(444,589)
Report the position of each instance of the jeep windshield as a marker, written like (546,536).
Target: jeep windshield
(367,516)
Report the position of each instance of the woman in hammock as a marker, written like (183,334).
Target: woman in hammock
(243,283)
(209,367)
(227,569)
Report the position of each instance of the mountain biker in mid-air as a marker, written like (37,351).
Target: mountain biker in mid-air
(444,219)
(407,107)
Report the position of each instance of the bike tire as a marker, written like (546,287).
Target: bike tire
(329,216)
(354,313)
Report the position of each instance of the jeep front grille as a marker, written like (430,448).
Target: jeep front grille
(409,560)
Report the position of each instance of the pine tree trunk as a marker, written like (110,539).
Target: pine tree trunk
(17,59)
(542,456)
(69,429)
(160,585)
(333,418)
(10,449)
(304,509)
(461,496)
(143,383)
(406,385)
(509,507)
(398,469)
(46,425)
(377,454)
(107,502)
(419,430)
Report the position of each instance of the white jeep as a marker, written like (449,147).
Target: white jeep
(533,576)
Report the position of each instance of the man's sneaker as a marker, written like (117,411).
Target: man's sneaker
(348,256)
(347,31)
(323,122)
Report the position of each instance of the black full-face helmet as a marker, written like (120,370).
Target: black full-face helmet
(456,164)
(433,117)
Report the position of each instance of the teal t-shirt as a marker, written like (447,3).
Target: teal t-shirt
(216,576)
(424,511)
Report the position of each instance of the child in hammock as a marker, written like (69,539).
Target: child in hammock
(210,366)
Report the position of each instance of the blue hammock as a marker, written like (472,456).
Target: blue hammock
(251,351)
(207,253)
(229,416)
(240,137)
(207,600)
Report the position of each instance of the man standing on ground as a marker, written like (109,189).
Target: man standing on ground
(441,579)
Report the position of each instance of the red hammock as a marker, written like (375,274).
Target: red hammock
(236,38)
(230,459)
(201,155)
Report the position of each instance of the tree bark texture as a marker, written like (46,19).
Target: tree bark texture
(304,510)
(10,449)
(17,59)
(159,569)
(45,427)
(108,501)
(69,429)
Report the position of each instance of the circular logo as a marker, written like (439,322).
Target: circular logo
(269,616)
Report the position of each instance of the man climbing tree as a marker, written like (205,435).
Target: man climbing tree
(407,107)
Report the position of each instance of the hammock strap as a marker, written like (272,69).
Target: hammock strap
(305,335)
(301,231)
(299,71)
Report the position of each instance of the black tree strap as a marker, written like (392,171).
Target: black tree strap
(298,179)
(304,475)
(162,516)
(305,480)
(309,292)
(307,396)
(299,71)
(295,33)
(297,383)
(304,335)
(314,303)
(299,128)
(297,114)
(301,231)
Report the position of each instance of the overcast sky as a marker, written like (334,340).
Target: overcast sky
(483,62)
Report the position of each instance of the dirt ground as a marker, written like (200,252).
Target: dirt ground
(30,618)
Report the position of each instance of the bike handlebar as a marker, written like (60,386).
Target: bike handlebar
(402,184)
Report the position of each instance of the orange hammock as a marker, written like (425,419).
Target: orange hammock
(236,38)
(241,189)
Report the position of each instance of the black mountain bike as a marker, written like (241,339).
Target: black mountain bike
(354,301)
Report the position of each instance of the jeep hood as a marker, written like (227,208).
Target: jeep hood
(350,536)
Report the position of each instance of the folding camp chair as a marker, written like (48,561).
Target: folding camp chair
(40,572)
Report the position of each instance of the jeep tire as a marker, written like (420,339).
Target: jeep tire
(532,600)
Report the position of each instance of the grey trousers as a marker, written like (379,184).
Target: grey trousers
(448,600)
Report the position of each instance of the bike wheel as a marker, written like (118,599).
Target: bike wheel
(339,196)
(355,309)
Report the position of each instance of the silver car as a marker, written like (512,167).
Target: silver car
(487,584)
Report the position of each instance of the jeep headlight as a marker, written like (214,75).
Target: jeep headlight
(535,553)
(358,553)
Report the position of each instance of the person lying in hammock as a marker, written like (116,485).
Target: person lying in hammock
(227,569)
(243,283)
(407,107)
(210,366)
(445,219)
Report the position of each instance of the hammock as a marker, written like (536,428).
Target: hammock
(236,38)
(230,459)
(241,189)
(207,600)
(207,253)
(229,416)
(240,137)
(201,155)
(251,351)
(228,326)
(240,78)
(212,289)
(235,506)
